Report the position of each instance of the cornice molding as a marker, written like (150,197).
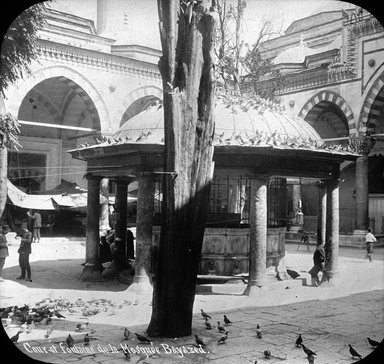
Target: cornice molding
(102,61)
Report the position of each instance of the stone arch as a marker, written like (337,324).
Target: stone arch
(43,100)
(145,94)
(372,106)
(73,79)
(317,104)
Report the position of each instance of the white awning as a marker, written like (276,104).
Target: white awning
(22,199)
(49,201)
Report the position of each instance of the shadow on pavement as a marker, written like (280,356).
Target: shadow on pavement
(61,274)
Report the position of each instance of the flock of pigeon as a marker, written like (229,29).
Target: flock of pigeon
(267,353)
(28,318)
(353,352)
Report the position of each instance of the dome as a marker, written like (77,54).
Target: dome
(293,55)
(232,123)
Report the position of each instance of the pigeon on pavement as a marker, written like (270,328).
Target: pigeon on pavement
(258,332)
(82,326)
(58,314)
(200,341)
(307,350)
(127,354)
(69,340)
(87,339)
(208,325)
(299,341)
(227,321)
(223,339)
(373,343)
(205,315)
(267,354)
(354,352)
(220,327)
(311,359)
(15,337)
(126,334)
(142,338)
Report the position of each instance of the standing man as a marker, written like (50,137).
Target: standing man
(36,225)
(3,249)
(369,240)
(24,251)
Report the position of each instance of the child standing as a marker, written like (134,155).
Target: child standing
(369,240)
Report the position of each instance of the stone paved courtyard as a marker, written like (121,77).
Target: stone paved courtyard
(329,318)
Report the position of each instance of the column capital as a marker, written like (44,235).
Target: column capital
(262,178)
(363,144)
(123,181)
(153,174)
(90,176)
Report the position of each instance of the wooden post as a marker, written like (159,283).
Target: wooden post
(258,235)
(92,268)
(321,213)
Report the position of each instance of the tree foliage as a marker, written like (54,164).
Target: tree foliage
(18,48)
(9,131)
(238,62)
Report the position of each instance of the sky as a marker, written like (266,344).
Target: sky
(136,21)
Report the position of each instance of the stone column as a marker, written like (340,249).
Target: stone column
(119,258)
(144,223)
(321,213)
(258,235)
(361,185)
(296,206)
(92,268)
(332,240)
(296,197)
(121,210)
(362,193)
(104,208)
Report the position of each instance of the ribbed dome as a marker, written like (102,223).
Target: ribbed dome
(231,122)
(293,55)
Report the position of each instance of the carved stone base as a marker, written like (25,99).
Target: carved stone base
(253,291)
(141,285)
(92,273)
(111,271)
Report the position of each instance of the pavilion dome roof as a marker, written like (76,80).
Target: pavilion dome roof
(233,123)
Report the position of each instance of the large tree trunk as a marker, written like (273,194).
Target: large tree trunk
(3,178)
(187,70)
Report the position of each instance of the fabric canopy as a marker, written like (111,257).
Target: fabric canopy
(48,201)
(22,199)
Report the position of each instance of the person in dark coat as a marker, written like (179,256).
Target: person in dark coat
(318,266)
(130,245)
(24,252)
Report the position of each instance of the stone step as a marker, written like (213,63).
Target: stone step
(234,284)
